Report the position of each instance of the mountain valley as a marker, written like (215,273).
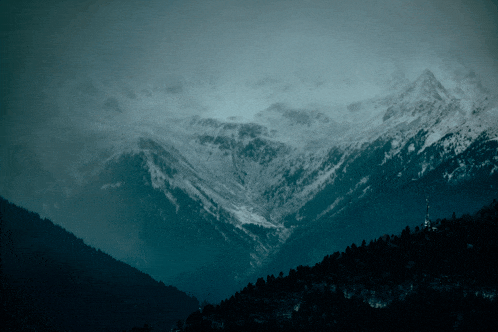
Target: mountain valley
(206,204)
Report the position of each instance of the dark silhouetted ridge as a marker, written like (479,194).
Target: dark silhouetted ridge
(440,279)
(52,281)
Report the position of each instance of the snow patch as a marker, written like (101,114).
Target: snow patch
(362,181)
(245,215)
(424,168)
(431,139)
(172,199)
(111,185)
(157,177)
(323,177)
(448,176)
(365,191)
(331,207)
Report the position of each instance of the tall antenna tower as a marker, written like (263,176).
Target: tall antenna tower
(427,222)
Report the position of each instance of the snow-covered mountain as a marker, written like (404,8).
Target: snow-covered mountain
(210,203)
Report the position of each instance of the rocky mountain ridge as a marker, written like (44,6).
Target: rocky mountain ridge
(268,192)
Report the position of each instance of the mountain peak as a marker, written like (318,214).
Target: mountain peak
(427,74)
(426,87)
(428,79)
(420,97)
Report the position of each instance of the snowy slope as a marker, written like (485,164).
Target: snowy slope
(265,191)
(274,173)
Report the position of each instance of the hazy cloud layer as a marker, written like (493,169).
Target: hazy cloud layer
(79,75)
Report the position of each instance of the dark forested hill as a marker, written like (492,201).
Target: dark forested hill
(52,281)
(438,278)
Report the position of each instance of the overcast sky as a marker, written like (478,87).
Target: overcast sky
(73,67)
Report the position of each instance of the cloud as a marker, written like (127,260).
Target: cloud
(112,104)
(76,70)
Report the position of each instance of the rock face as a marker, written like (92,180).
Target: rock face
(221,202)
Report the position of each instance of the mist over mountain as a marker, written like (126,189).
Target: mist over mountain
(207,144)
(206,204)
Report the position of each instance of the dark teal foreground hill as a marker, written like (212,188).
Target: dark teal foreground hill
(442,278)
(52,281)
